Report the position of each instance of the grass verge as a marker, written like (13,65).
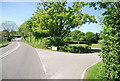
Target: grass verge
(4,43)
(96,46)
(95,72)
(93,45)
(35,45)
(39,45)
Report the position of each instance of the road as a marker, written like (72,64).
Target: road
(21,61)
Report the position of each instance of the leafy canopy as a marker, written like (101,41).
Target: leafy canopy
(56,19)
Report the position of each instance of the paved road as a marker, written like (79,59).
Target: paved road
(21,61)
(59,65)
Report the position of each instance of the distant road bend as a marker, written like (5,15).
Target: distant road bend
(21,61)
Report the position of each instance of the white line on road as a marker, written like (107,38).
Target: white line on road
(7,53)
(85,70)
(42,64)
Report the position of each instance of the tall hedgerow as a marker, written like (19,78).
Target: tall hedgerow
(111,39)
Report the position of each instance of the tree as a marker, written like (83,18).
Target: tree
(90,37)
(25,29)
(77,35)
(74,34)
(57,19)
(111,38)
(8,28)
(81,36)
(5,35)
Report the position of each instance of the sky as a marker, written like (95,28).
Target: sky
(22,11)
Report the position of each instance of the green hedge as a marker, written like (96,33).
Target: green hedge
(75,49)
(111,44)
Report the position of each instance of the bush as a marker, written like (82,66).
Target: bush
(75,49)
(45,43)
(52,41)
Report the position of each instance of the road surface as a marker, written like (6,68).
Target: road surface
(21,61)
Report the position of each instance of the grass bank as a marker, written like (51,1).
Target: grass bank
(33,44)
(95,72)
(93,45)
(96,46)
(5,43)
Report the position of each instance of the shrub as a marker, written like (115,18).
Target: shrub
(52,41)
(45,43)
(75,49)
(111,44)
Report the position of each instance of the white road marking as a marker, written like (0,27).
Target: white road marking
(42,64)
(85,70)
(7,53)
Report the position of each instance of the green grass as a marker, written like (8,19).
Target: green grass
(33,44)
(96,46)
(77,44)
(93,45)
(4,43)
(95,72)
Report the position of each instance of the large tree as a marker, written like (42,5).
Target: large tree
(56,19)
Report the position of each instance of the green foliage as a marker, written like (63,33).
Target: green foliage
(8,30)
(79,37)
(75,49)
(111,43)
(4,43)
(110,39)
(26,32)
(52,41)
(91,38)
(52,22)
(57,19)
(5,35)
(74,34)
